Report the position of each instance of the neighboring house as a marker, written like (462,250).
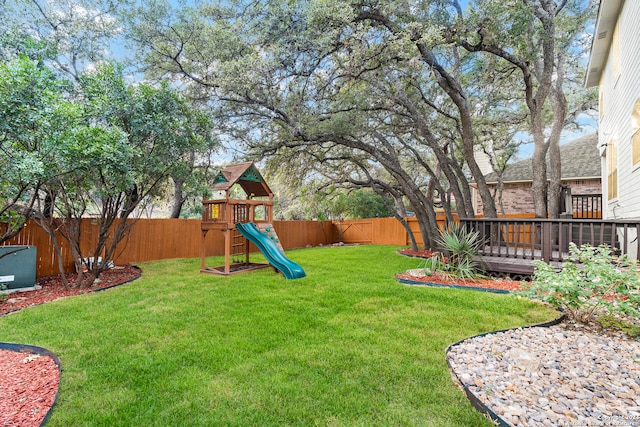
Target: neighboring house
(614,66)
(580,173)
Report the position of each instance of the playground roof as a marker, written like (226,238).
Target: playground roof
(244,174)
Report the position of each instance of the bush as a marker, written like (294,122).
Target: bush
(461,246)
(594,283)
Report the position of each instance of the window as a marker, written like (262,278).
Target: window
(612,170)
(635,133)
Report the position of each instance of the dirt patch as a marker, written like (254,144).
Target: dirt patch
(29,382)
(420,253)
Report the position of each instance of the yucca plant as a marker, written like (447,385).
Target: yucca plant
(461,247)
(437,262)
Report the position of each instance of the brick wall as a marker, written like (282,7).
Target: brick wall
(517,198)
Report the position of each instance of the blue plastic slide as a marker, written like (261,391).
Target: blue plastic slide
(270,250)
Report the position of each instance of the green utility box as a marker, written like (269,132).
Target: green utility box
(17,267)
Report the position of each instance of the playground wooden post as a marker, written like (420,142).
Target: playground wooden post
(203,250)
(223,214)
(227,251)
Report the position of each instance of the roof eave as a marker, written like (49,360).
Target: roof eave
(602,37)
(565,178)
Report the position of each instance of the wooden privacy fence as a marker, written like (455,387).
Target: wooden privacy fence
(154,239)
(380,231)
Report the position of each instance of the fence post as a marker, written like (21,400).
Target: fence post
(546,241)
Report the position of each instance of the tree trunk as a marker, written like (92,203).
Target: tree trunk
(401,214)
(539,170)
(555,182)
(51,231)
(453,88)
(424,211)
(559,107)
(178,198)
(455,92)
(398,209)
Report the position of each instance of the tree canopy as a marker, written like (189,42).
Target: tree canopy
(393,96)
(32,120)
(341,91)
(86,142)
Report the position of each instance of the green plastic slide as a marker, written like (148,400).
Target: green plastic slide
(270,250)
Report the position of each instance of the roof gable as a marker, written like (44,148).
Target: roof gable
(580,160)
(244,174)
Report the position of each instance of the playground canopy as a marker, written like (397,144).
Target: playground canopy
(244,174)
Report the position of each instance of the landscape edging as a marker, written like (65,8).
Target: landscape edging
(121,283)
(475,401)
(443,285)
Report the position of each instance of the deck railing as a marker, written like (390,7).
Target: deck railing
(586,206)
(548,239)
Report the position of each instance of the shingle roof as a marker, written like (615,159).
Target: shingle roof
(580,159)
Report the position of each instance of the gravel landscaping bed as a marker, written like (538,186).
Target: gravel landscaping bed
(563,375)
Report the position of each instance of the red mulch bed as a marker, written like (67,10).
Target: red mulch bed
(489,284)
(29,382)
(28,386)
(483,283)
(53,289)
(420,253)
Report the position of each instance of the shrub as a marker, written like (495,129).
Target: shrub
(461,246)
(591,284)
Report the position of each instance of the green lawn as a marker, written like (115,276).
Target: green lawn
(345,346)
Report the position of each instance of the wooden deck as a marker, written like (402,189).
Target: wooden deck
(515,263)
(511,245)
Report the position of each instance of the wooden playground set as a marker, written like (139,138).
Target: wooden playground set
(244,221)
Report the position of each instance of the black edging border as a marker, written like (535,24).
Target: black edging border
(135,267)
(442,285)
(475,401)
(32,349)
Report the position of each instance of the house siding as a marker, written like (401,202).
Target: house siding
(619,94)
